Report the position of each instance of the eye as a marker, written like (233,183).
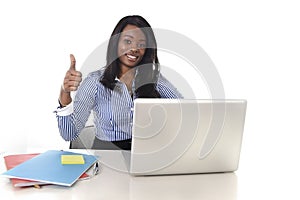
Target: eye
(126,41)
(142,45)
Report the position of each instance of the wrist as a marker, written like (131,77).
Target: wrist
(64,90)
(64,98)
(60,104)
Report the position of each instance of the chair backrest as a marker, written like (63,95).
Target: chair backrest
(85,139)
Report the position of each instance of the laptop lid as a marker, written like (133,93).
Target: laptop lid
(181,136)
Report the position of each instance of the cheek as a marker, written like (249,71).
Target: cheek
(121,49)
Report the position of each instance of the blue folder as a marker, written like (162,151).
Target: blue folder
(47,167)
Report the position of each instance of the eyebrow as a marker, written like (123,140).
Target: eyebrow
(133,37)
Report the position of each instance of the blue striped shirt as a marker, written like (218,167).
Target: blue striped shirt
(112,109)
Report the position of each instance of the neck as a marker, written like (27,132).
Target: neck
(126,76)
(126,73)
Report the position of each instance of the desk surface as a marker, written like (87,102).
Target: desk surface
(114,183)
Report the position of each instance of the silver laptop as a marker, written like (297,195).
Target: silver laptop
(181,136)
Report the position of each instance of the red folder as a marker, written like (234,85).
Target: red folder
(14,160)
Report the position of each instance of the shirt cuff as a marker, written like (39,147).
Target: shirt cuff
(65,111)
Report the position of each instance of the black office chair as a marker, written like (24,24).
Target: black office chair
(85,139)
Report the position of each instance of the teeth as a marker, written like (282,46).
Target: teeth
(130,56)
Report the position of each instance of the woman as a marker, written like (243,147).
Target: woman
(131,71)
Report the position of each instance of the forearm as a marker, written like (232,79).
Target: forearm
(67,125)
(64,97)
(67,128)
(73,114)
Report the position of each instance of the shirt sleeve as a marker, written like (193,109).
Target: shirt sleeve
(72,118)
(65,111)
(166,89)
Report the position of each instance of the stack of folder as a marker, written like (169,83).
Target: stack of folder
(51,167)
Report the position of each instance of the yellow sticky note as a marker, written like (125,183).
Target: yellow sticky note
(72,159)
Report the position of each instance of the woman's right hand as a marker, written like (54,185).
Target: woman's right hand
(71,82)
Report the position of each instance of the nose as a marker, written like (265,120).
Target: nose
(134,49)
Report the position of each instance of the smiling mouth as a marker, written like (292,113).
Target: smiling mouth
(132,57)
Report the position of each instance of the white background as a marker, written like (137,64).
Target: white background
(255,46)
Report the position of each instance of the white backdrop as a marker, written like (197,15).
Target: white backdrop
(255,46)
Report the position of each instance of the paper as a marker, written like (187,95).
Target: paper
(72,159)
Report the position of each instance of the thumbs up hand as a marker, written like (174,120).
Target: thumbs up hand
(71,83)
(72,78)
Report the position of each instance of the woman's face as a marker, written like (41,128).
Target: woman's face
(131,46)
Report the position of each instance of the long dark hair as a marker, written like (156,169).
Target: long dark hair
(148,69)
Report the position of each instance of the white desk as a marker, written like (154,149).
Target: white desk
(114,183)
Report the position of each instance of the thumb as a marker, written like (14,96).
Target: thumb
(73,62)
